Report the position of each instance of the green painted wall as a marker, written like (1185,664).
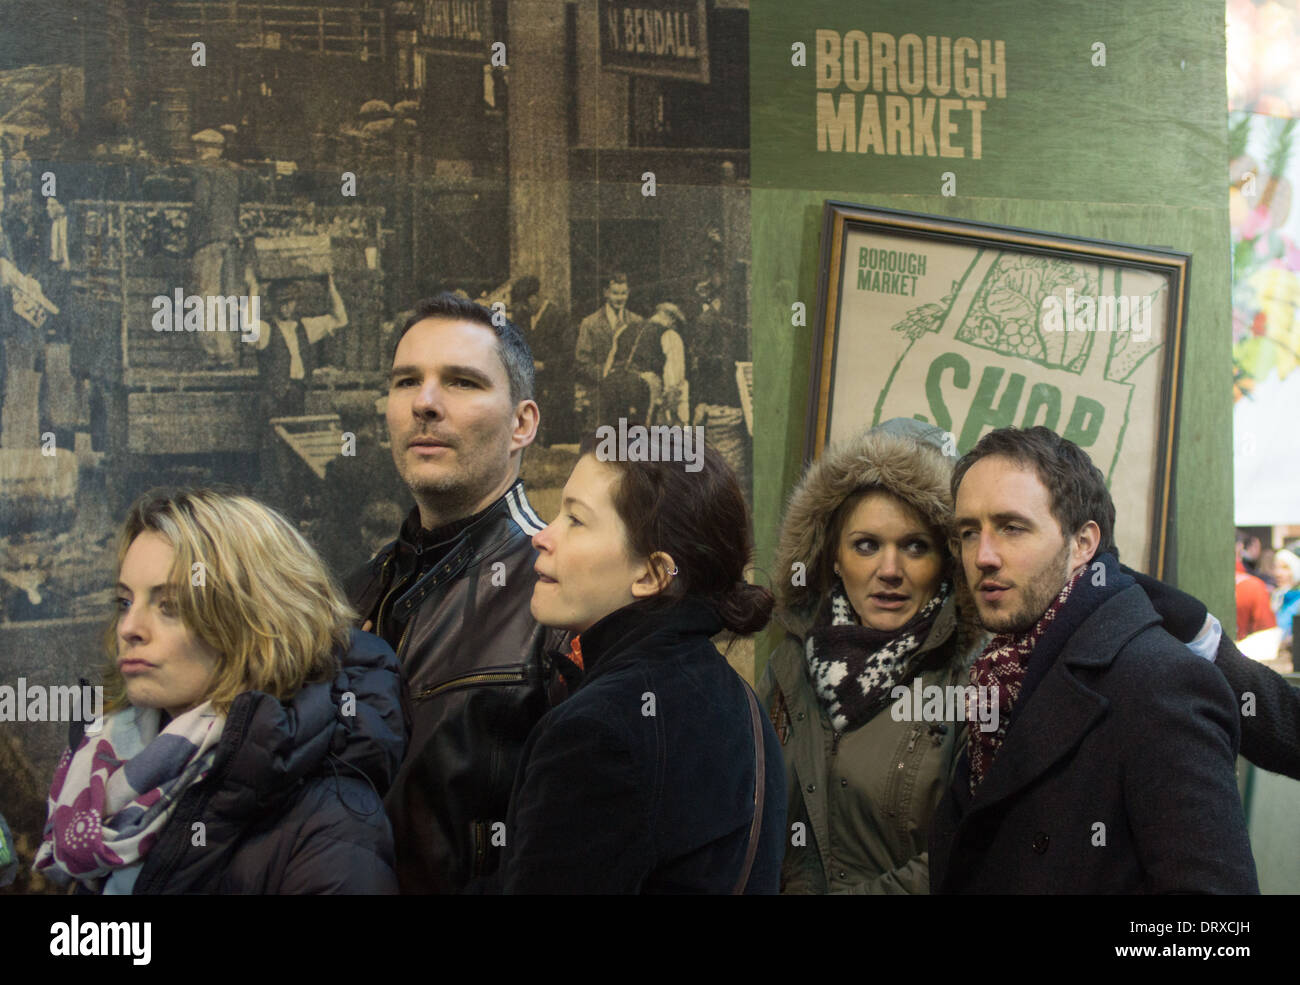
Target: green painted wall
(1133,151)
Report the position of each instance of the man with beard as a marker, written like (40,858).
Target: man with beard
(451,595)
(1113,765)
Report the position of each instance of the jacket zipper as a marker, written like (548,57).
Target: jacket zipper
(469,680)
(406,630)
(480,847)
(379,614)
(199,795)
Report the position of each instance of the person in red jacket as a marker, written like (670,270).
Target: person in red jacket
(1254,611)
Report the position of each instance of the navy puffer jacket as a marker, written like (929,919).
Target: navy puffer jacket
(294,801)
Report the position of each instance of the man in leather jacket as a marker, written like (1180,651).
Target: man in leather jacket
(451,594)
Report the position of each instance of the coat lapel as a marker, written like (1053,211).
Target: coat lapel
(1053,722)
(1062,711)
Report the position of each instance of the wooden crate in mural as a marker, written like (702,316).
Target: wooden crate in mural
(314,439)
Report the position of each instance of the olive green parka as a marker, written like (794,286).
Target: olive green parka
(861,802)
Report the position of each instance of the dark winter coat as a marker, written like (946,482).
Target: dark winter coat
(293,803)
(643,780)
(1117,775)
(1270,719)
(1270,738)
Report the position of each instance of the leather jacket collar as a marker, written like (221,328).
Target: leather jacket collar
(414,539)
(489,532)
(481,533)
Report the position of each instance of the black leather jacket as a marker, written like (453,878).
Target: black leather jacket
(479,676)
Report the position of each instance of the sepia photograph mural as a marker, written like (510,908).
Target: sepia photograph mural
(216,215)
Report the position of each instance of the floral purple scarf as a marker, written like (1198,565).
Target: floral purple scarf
(112,796)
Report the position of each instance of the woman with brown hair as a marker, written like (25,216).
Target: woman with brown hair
(249,734)
(867,592)
(659,774)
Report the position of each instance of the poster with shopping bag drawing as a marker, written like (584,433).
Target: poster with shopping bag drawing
(972,327)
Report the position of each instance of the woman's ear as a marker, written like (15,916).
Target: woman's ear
(656,575)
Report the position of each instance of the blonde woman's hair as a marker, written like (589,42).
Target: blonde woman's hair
(246,583)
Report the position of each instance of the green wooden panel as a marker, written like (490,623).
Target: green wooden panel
(1273,821)
(1144,128)
(1135,152)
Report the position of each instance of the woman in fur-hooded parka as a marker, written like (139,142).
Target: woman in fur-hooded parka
(863,777)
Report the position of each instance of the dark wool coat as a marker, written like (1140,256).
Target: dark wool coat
(643,780)
(1270,738)
(293,804)
(1117,775)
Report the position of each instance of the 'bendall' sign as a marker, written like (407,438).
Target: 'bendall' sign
(655,37)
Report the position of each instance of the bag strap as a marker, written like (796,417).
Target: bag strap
(756,824)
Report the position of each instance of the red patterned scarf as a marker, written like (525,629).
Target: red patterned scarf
(1002,665)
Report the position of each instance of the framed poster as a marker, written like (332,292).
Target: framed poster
(972,327)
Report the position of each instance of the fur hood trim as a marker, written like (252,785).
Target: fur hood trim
(912,470)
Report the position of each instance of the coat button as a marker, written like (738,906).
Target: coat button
(1040,842)
(799,717)
(844,781)
(812,787)
(843,874)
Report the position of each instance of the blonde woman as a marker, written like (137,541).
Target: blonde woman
(249,734)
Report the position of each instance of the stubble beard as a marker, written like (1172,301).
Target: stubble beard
(455,494)
(1040,590)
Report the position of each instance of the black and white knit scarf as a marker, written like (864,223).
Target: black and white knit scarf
(854,668)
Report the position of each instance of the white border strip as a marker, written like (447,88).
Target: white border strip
(522,512)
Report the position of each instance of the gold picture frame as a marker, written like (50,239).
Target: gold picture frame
(971,326)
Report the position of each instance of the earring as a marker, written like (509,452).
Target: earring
(674,571)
